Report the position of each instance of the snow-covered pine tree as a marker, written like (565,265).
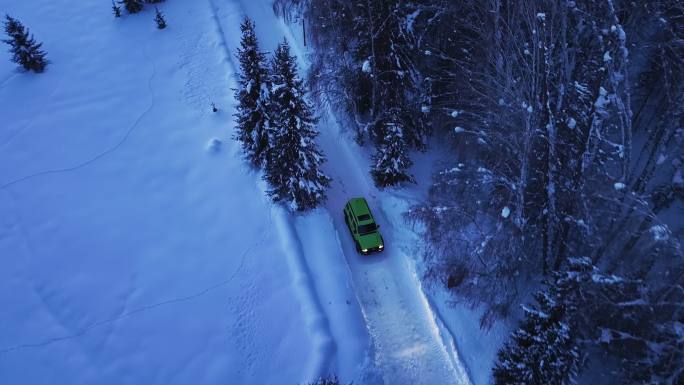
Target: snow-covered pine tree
(387,85)
(159,19)
(293,161)
(252,97)
(379,73)
(23,47)
(116,9)
(391,161)
(132,6)
(543,351)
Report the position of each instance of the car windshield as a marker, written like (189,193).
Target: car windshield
(367,229)
(364,217)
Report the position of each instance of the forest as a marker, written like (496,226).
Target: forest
(561,205)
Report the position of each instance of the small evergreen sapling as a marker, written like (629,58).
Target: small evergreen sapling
(293,161)
(252,94)
(132,6)
(159,18)
(23,47)
(116,9)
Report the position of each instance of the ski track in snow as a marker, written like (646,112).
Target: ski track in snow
(101,155)
(6,80)
(141,309)
(130,271)
(28,124)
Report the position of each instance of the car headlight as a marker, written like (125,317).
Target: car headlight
(381,246)
(364,250)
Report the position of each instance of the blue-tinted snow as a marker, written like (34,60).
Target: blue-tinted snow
(137,247)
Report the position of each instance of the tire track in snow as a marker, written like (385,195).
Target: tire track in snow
(7,79)
(409,344)
(315,316)
(40,111)
(103,154)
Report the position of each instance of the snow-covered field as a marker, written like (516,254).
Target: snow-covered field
(138,248)
(131,252)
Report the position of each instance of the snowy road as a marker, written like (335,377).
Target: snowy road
(407,345)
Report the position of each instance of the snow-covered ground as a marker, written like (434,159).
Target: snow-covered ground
(138,248)
(132,251)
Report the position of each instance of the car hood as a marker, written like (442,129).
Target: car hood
(370,240)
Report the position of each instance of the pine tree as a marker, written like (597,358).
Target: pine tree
(252,96)
(116,9)
(386,87)
(293,161)
(391,161)
(159,18)
(132,6)
(24,49)
(543,351)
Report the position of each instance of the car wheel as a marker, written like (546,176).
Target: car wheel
(358,247)
(346,220)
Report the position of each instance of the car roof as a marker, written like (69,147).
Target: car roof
(359,207)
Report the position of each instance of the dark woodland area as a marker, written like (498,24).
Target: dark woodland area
(564,191)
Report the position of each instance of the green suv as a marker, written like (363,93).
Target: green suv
(363,228)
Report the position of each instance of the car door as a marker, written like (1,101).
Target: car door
(352,220)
